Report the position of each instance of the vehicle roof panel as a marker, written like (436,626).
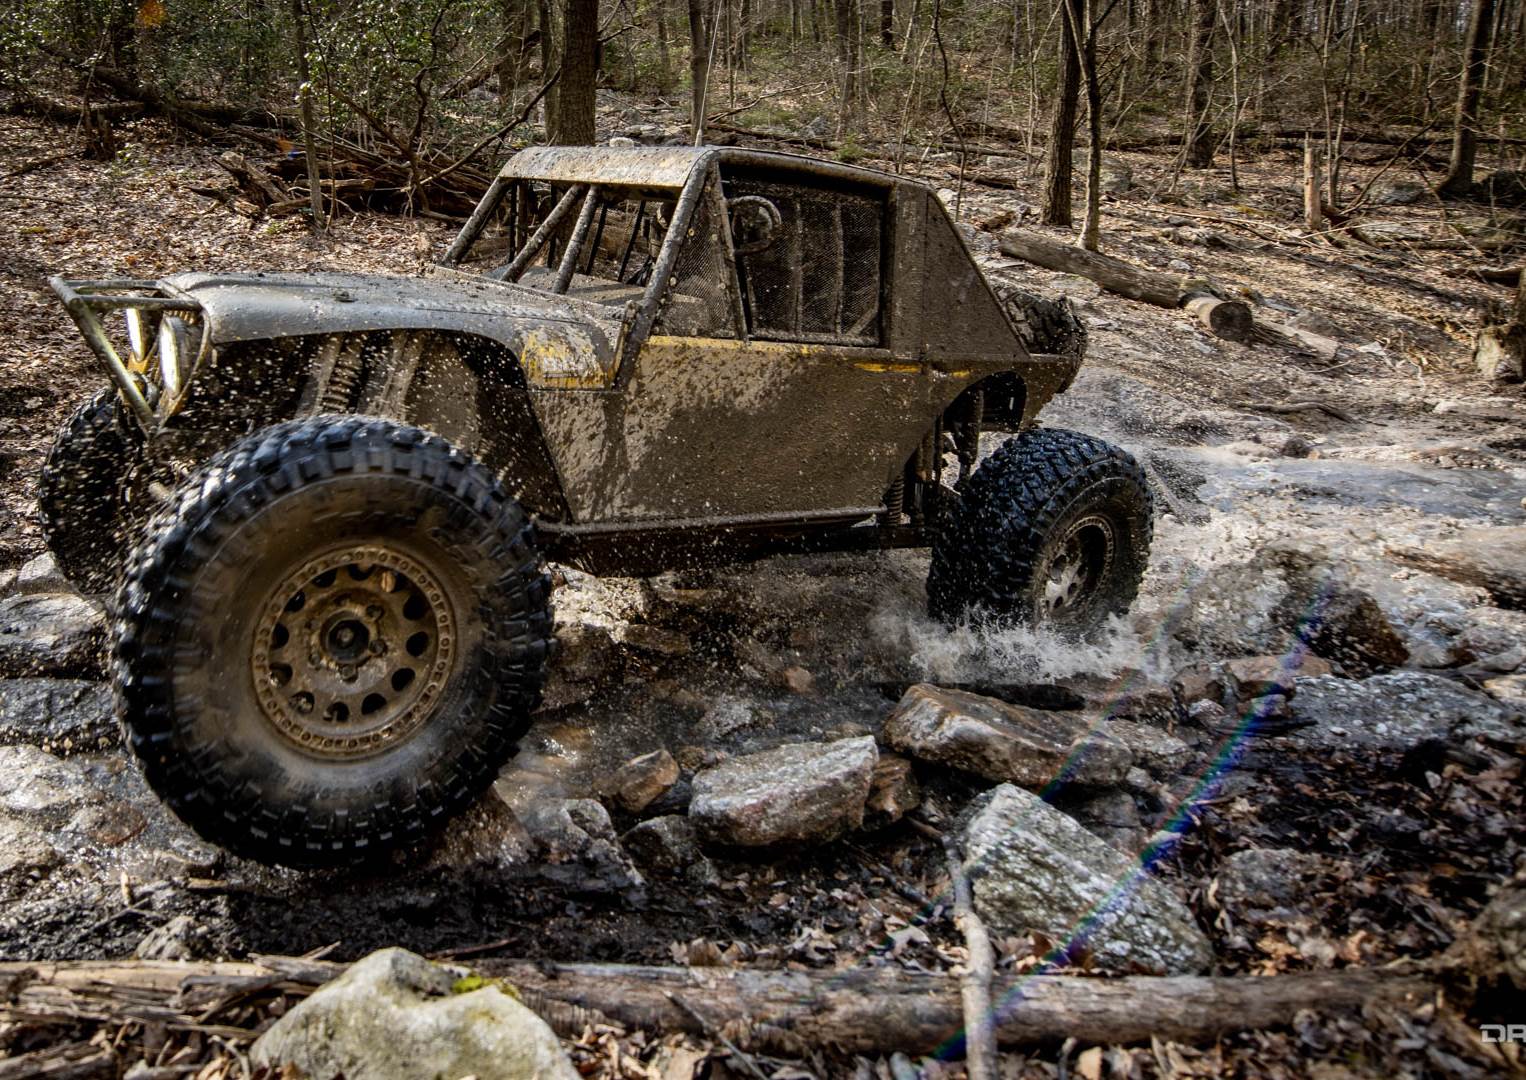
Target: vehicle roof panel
(638,166)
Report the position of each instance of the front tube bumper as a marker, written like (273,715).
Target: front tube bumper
(86,300)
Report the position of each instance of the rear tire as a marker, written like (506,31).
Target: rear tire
(1053,528)
(82,494)
(330,640)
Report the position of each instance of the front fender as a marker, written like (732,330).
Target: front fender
(562,342)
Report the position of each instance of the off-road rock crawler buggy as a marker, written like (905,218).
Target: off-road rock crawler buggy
(335,491)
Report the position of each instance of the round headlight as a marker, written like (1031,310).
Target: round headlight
(137,332)
(176,353)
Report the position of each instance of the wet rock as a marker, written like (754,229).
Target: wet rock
(50,634)
(182,938)
(1508,690)
(586,653)
(642,780)
(41,786)
(1254,676)
(653,640)
(59,714)
(41,575)
(728,715)
(1003,742)
(1159,753)
(107,824)
(670,845)
(797,680)
(1396,711)
(1347,626)
(575,843)
(396,1016)
(25,856)
(893,791)
(1264,883)
(1201,682)
(803,792)
(1207,715)
(1492,558)
(1112,817)
(1031,867)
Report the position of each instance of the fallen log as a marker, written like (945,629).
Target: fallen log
(876,1010)
(1228,319)
(866,1010)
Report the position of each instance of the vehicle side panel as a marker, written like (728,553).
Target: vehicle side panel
(714,427)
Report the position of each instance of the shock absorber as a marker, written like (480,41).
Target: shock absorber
(339,393)
(969,434)
(895,502)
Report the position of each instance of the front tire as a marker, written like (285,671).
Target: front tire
(330,640)
(1053,528)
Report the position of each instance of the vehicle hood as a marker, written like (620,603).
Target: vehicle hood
(258,305)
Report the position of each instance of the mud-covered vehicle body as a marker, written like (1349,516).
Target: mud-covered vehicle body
(327,495)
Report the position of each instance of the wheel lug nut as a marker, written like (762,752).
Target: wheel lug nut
(377,646)
(347,672)
(315,658)
(374,611)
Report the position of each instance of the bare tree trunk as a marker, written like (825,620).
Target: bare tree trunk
(664,61)
(572,121)
(1062,123)
(305,98)
(516,17)
(122,36)
(847,33)
(1199,130)
(1313,214)
(1091,225)
(700,31)
(1459,178)
(887,24)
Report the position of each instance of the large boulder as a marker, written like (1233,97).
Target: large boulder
(1033,868)
(396,1016)
(1394,712)
(62,714)
(803,792)
(1004,742)
(1489,557)
(50,634)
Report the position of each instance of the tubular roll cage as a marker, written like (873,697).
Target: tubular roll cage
(87,299)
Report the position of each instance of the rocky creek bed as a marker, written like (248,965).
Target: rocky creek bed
(1301,752)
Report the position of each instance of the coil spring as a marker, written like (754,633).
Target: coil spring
(339,394)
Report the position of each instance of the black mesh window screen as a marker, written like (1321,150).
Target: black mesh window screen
(817,276)
(699,303)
